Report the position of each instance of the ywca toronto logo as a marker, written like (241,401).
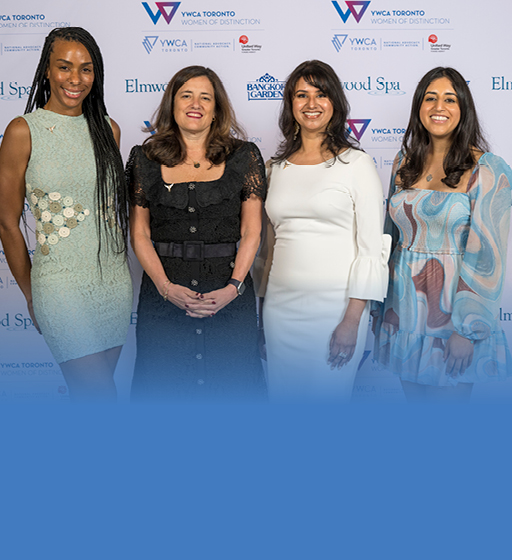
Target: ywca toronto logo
(358,127)
(149,42)
(356,8)
(338,41)
(165,9)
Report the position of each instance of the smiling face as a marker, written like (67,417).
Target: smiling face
(440,110)
(312,109)
(194,105)
(71,76)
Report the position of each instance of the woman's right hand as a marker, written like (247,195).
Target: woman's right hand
(32,315)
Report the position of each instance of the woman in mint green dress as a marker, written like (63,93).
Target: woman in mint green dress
(64,158)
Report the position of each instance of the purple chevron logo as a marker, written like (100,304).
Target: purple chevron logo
(358,127)
(161,11)
(351,5)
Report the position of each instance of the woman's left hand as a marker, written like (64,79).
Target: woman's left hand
(458,355)
(212,302)
(342,344)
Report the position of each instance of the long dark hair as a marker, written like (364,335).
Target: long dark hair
(320,75)
(166,146)
(466,137)
(110,181)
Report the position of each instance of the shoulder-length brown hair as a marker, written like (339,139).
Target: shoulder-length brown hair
(166,145)
(322,76)
(466,137)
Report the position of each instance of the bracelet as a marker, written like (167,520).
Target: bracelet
(166,291)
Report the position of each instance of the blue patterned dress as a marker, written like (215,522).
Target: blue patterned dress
(447,273)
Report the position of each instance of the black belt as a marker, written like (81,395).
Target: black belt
(195,250)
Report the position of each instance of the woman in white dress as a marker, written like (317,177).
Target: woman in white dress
(325,251)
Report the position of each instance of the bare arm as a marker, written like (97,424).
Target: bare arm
(116,132)
(14,156)
(140,236)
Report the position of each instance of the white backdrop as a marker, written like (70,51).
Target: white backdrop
(380,49)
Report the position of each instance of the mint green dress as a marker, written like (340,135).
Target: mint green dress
(81,308)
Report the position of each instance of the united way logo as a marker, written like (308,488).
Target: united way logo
(357,9)
(338,41)
(165,9)
(266,87)
(358,127)
(149,42)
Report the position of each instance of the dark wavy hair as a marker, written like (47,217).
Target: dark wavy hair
(320,75)
(110,180)
(167,147)
(466,137)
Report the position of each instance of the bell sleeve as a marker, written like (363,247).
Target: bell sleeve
(368,278)
(481,281)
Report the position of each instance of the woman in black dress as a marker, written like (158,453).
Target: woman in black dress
(196,191)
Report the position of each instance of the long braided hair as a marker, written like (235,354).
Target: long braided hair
(110,181)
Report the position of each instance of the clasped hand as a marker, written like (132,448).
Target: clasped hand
(201,305)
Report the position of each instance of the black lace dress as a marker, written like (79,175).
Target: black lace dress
(180,356)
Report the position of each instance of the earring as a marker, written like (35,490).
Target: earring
(213,119)
(296,130)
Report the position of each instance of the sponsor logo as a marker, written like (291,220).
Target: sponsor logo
(357,9)
(134,86)
(387,135)
(17,322)
(358,127)
(149,43)
(405,17)
(265,88)
(164,45)
(12,49)
(366,43)
(29,20)
(216,19)
(505,316)
(245,47)
(165,9)
(499,83)
(338,41)
(437,47)
(13,91)
(374,86)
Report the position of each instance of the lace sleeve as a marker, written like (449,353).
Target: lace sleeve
(134,178)
(254,181)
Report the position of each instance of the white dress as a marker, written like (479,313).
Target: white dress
(329,247)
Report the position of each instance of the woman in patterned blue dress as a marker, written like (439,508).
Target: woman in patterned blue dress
(64,158)
(448,213)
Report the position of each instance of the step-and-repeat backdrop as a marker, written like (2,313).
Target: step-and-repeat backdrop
(380,49)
